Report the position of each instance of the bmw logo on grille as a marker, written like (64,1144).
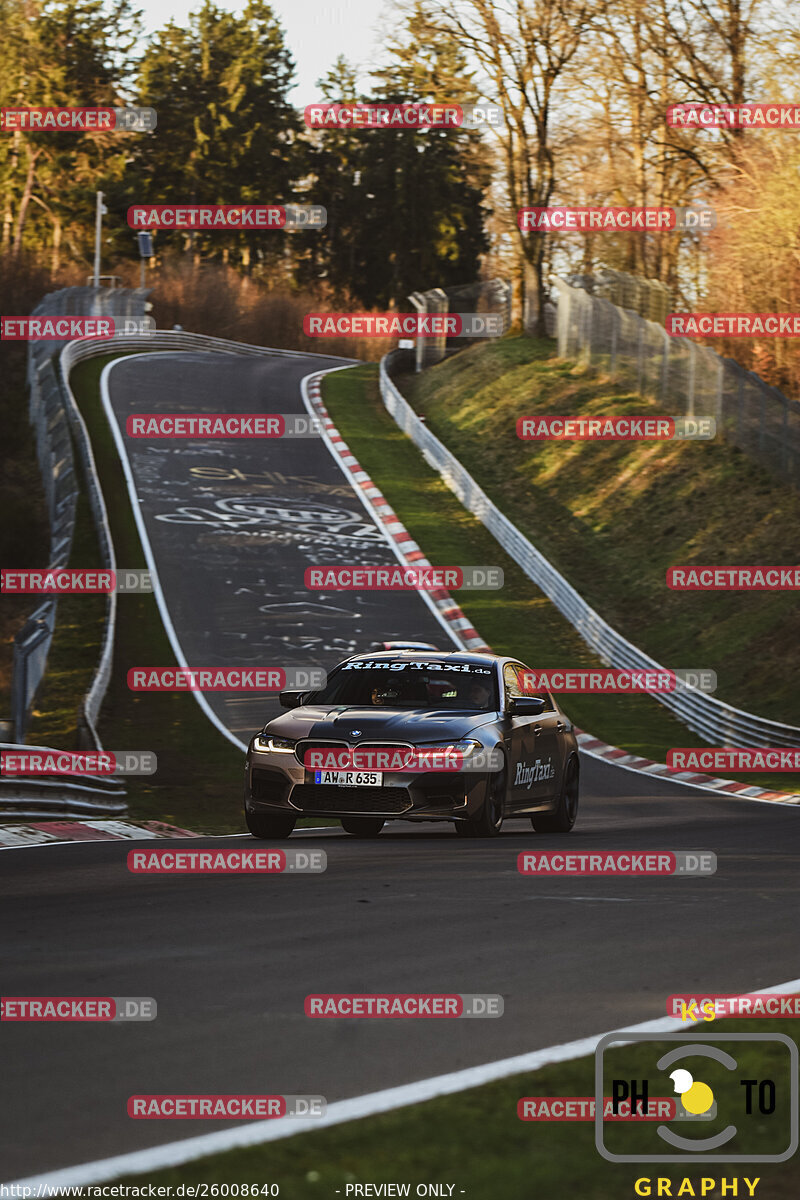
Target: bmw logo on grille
(355,732)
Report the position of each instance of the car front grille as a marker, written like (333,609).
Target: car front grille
(315,797)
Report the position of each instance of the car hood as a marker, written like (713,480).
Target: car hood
(337,723)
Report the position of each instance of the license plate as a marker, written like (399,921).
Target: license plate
(350,778)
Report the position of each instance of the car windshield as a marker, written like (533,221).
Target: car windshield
(405,684)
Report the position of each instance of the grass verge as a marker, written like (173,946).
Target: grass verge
(519,620)
(613,516)
(475,1141)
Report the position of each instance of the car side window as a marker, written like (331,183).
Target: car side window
(517,680)
(511,680)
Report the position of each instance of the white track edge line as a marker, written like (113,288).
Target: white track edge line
(166,620)
(174,1154)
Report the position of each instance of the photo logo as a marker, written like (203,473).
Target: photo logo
(729,1111)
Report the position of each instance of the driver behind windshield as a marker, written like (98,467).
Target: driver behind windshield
(476,694)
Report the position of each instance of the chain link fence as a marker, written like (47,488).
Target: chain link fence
(489,296)
(595,326)
(719,723)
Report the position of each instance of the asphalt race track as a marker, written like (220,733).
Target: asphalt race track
(234,523)
(230,959)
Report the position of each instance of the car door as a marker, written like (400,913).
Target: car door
(535,745)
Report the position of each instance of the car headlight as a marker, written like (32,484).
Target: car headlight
(275,745)
(464,748)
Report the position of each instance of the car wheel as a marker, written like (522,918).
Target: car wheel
(489,820)
(269,826)
(363,827)
(566,811)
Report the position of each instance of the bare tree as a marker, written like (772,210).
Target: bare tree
(524,49)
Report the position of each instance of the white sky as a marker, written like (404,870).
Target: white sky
(316,31)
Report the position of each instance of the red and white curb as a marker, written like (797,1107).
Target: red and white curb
(409,552)
(406,548)
(38,833)
(708,783)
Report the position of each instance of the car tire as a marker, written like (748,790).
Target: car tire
(270,826)
(565,814)
(363,827)
(489,820)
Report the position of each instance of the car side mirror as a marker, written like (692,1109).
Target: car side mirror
(290,699)
(526,706)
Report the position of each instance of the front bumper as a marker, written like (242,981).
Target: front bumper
(432,796)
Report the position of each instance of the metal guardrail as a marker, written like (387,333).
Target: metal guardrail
(44,797)
(58,428)
(717,722)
